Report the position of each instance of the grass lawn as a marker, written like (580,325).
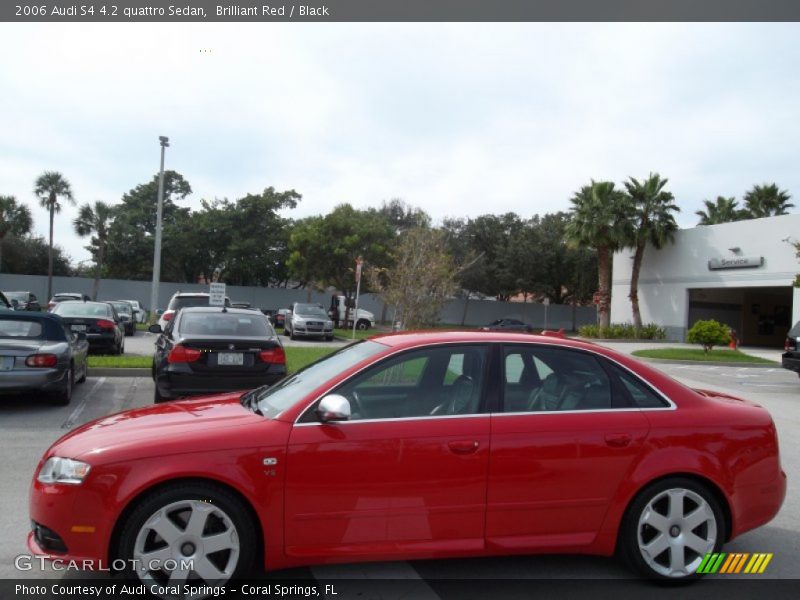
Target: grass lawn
(142,326)
(347,334)
(717,355)
(128,362)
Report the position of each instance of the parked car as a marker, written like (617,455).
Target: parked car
(181,300)
(508,325)
(24,300)
(206,350)
(125,311)
(66,296)
(308,320)
(791,353)
(139,313)
(39,354)
(343,317)
(280,317)
(468,443)
(98,320)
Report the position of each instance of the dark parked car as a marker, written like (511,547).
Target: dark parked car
(125,312)
(508,325)
(23,300)
(181,300)
(98,320)
(66,296)
(791,355)
(38,353)
(279,317)
(211,349)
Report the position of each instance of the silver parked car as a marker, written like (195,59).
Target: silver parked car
(38,353)
(308,320)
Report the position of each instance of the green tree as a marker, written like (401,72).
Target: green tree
(402,217)
(653,223)
(15,219)
(95,221)
(422,277)
(708,334)
(28,255)
(722,210)
(132,233)
(323,250)
(766,201)
(600,219)
(49,187)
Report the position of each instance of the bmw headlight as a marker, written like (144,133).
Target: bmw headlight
(63,470)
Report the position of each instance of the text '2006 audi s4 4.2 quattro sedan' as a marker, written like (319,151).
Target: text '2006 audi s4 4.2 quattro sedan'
(410,446)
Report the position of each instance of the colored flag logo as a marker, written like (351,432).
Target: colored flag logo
(734,562)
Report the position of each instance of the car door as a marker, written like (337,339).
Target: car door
(407,473)
(558,456)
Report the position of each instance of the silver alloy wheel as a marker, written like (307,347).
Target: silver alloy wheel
(676,529)
(188,539)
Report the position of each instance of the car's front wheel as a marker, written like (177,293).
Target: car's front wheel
(670,527)
(188,532)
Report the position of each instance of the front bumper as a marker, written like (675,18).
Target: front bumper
(305,332)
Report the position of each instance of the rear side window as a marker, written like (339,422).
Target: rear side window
(640,393)
(20,329)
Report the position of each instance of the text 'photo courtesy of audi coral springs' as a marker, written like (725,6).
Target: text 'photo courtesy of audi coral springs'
(412,446)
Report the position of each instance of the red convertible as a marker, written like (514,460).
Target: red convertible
(410,446)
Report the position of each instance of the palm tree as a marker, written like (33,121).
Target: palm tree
(95,220)
(15,219)
(766,201)
(49,187)
(600,219)
(723,210)
(653,222)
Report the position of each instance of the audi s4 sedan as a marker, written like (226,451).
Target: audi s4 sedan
(411,446)
(210,349)
(39,354)
(98,320)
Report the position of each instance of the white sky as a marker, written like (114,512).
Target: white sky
(460,119)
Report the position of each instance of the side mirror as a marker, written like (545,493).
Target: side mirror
(155,328)
(333,408)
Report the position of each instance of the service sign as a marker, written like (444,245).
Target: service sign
(736,262)
(217,294)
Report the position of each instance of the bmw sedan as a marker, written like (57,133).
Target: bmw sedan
(210,349)
(417,445)
(98,320)
(39,354)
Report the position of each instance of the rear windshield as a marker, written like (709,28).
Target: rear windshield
(185,301)
(82,309)
(232,325)
(20,329)
(122,307)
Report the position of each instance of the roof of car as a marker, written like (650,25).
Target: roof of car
(87,302)
(417,338)
(28,315)
(218,309)
(191,294)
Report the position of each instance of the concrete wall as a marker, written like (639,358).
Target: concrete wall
(479,312)
(667,275)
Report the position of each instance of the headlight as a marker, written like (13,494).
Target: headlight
(63,470)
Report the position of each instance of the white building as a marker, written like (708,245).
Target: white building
(740,274)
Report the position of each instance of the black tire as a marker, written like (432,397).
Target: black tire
(328,338)
(64,397)
(158,398)
(362,324)
(85,371)
(629,535)
(292,336)
(234,512)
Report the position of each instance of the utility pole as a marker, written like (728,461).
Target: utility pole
(157,254)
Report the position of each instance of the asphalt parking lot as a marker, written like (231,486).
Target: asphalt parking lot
(28,427)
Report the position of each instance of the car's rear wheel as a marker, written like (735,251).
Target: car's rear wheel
(670,527)
(192,533)
(158,398)
(64,396)
(362,324)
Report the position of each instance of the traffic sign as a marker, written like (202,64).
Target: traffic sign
(216,295)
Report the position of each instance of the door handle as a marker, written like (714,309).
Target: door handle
(618,440)
(463,446)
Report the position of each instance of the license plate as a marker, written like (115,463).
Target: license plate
(7,363)
(79,328)
(230,358)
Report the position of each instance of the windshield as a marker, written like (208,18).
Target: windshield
(83,309)
(302,310)
(292,389)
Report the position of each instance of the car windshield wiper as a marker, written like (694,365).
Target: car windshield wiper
(249,399)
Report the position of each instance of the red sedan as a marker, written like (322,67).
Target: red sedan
(418,445)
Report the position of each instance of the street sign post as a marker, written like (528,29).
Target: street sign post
(359,263)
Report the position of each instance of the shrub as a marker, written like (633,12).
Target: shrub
(709,334)
(623,331)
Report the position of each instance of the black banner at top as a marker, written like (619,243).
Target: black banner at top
(127,11)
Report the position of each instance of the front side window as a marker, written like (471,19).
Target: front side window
(440,381)
(547,379)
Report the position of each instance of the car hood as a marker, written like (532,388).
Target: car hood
(200,424)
